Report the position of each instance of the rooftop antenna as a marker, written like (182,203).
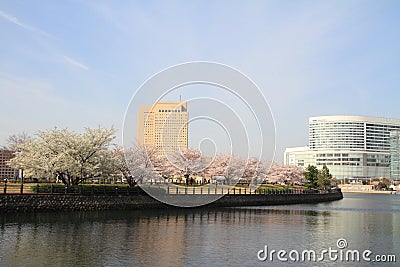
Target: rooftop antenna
(180,98)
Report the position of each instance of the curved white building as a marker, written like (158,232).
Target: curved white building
(350,146)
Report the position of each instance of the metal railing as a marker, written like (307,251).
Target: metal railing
(236,191)
(9,188)
(114,190)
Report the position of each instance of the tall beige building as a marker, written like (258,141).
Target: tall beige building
(163,125)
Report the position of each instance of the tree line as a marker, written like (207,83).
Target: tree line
(73,158)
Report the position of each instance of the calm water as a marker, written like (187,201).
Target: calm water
(199,237)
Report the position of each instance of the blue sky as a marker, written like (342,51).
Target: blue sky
(77,63)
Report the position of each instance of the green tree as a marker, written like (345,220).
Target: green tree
(386,182)
(324,178)
(311,176)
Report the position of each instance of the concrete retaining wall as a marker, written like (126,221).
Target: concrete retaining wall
(47,202)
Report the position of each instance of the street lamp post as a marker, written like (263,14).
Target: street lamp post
(186,175)
(22,181)
(5,186)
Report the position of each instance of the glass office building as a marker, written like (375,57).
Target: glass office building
(350,146)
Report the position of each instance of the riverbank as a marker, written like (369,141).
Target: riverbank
(11,203)
(367,192)
(362,189)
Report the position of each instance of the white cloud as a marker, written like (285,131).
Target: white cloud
(75,63)
(17,22)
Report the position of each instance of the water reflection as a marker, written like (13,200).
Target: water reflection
(184,237)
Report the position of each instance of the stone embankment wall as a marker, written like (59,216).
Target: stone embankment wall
(58,202)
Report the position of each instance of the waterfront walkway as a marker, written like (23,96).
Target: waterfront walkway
(168,189)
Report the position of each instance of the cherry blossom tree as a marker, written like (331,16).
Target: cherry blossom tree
(288,174)
(260,172)
(65,155)
(142,162)
(114,163)
(16,139)
(251,165)
(231,167)
(297,174)
(187,161)
(86,149)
